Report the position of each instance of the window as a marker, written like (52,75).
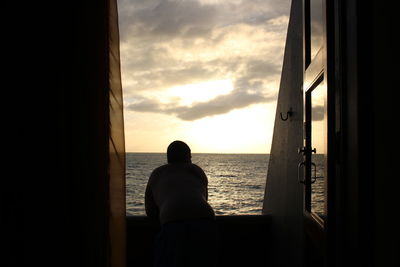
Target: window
(316,142)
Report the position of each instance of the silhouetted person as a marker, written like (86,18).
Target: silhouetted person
(176,195)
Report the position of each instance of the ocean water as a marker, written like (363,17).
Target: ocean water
(318,187)
(236,182)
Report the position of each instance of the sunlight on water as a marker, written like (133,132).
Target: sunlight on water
(318,188)
(236,181)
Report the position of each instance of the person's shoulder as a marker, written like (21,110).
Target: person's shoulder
(197,167)
(198,171)
(160,169)
(156,174)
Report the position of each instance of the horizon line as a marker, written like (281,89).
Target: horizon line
(253,153)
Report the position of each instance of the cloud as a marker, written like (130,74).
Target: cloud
(220,105)
(162,78)
(166,20)
(243,96)
(168,43)
(145,105)
(318,113)
(238,55)
(259,69)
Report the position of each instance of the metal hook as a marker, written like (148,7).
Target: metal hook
(288,114)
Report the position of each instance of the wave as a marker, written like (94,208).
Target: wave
(226,176)
(236,182)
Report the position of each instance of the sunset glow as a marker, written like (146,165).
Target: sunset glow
(200,92)
(205,72)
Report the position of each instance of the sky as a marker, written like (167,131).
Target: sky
(206,72)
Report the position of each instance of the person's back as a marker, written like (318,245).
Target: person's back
(177,194)
(180,192)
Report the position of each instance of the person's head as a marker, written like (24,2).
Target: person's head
(178,152)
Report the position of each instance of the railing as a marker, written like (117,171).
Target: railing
(244,239)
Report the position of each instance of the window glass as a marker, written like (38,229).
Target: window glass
(316,25)
(318,142)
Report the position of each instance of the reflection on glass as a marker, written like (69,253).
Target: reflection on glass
(318,141)
(317,29)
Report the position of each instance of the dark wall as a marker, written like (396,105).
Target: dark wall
(384,101)
(365,197)
(283,199)
(60,76)
(244,240)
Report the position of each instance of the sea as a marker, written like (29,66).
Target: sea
(236,182)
